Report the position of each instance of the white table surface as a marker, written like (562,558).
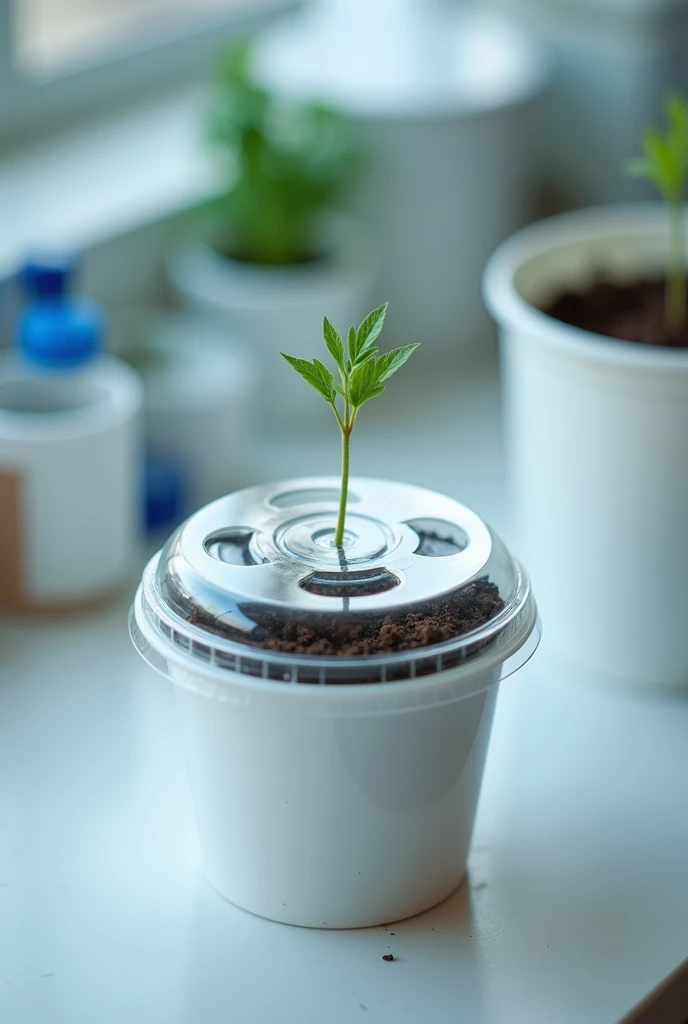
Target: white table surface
(577,901)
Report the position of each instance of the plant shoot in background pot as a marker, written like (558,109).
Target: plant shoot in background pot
(286,161)
(646,308)
(264,252)
(665,164)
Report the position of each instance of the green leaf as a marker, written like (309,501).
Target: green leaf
(364,383)
(676,113)
(665,160)
(368,333)
(334,344)
(315,373)
(352,345)
(371,392)
(392,361)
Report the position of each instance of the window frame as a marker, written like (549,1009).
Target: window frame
(31,103)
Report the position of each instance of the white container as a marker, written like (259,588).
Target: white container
(444,102)
(330,791)
(201,394)
(280,308)
(614,61)
(597,432)
(70,466)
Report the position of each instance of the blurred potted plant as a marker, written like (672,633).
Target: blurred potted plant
(273,250)
(592,309)
(336,649)
(446,97)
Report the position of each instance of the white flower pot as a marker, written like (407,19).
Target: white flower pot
(614,61)
(597,432)
(280,308)
(446,110)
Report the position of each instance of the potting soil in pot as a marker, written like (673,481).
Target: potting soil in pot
(469,608)
(628,312)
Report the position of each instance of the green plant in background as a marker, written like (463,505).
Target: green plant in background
(665,164)
(362,373)
(286,162)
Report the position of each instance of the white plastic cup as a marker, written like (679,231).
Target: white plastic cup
(328,806)
(334,807)
(332,791)
(315,815)
(597,435)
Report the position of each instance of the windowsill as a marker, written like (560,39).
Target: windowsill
(107,177)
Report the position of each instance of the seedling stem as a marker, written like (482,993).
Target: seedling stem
(362,373)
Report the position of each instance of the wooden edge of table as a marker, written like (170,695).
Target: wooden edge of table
(667,1003)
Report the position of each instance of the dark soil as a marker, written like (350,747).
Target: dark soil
(301,260)
(628,312)
(459,613)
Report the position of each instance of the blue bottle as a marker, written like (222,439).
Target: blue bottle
(57,331)
(70,451)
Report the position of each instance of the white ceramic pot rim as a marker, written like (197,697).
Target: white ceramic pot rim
(607,223)
(249,286)
(641,11)
(68,423)
(511,650)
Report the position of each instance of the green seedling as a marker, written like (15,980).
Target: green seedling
(665,164)
(285,162)
(363,372)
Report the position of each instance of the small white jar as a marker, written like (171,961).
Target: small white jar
(70,476)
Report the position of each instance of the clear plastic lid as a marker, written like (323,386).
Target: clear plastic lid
(254,584)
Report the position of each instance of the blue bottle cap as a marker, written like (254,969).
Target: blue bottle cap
(48,274)
(60,334)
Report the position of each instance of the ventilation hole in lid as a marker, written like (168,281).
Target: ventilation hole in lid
(438,538)
(233,546)
(350,584)
(309,496)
